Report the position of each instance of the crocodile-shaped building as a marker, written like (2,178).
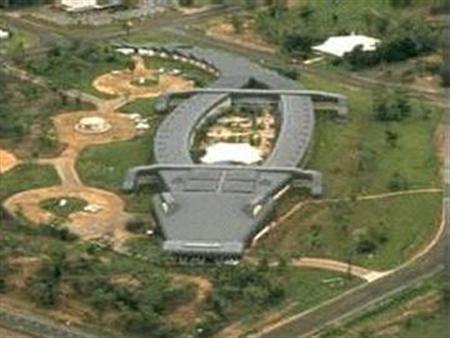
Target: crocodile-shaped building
(216,210)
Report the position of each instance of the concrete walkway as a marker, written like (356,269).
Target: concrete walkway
(333,265)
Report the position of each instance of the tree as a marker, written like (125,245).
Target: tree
(360,59)
(306,12)
(250,5)
(186,3)
(392,105)
(236,22)
(44,285)
(400,3)
(4,271)
(391,138)
(298,42)
(398,182)
(444,71)
(410,37)
(341,212)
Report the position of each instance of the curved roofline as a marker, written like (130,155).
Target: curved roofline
(221,206)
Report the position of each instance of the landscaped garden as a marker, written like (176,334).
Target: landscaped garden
(64,206)
(251,124)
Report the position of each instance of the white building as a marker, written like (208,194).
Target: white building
(81,5)
(339,45)
(4,34)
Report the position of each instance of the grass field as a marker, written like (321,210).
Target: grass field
(26,177)
(356,160)
(201,77)
(398,226)
(19,40)
(72,205)
(339,147)
(417,312)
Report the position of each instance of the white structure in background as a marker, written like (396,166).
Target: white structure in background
(81,5)
(231,152)
(4,34)
(339,45)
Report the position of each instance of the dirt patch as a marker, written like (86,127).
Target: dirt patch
(67,312)
(122,128)
(187,313)
(107,224)
(23,268)
(126,82)
(7,161)
(224,30)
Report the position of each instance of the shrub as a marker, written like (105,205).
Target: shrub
(366,246)
(4,271)
(137,225)
(398,182)
(392,105)
(44,285)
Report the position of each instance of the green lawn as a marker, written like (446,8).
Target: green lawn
(356,160)
(144,107)
(26,177)
(72,205)
(105,166)
(355,157)
(19,40)
(201,77)
(398,226)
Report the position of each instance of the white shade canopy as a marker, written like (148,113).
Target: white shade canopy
(231,152)
(339,45)
(93,121)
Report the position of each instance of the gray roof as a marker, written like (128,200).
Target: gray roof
(212,211)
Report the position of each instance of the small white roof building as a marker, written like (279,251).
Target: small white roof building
(4,34)
(231,152)
(339,45)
